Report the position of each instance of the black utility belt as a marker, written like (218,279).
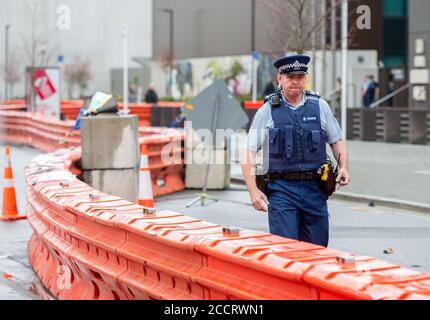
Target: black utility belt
(301,175)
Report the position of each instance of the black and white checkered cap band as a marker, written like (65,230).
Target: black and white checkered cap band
(294,65)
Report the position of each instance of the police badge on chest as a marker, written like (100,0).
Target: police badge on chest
(309,119)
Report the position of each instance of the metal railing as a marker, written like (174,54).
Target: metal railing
(390,95)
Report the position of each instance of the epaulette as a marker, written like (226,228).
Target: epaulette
(313,94)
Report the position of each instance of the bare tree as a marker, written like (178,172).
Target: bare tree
(167,62)
(78,74)
(37,45)
(295,23)
(13,72)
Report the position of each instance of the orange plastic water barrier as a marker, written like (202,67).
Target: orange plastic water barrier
(16,102)
(253,104)
(35,130)
(141,110)
(166,158)
(170,104)
(89,245)
(70,109)
(12,107)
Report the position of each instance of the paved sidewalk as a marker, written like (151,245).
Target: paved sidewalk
(397,173)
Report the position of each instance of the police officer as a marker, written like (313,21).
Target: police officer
(292,129)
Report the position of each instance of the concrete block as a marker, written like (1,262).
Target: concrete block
(368,124)
(109,141)
(121,183)
(392,126)
(418,126)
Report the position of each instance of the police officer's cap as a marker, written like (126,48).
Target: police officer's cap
(294,64)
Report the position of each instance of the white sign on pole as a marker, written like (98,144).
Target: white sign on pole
(419,46)
(124,35)
(46,88)
(420,61)
(419,76)
(419,93)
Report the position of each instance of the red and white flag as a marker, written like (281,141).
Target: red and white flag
(42,84)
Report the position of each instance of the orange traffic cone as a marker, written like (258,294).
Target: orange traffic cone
(146,197)
(10,210)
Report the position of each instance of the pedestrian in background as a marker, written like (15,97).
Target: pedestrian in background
(132,93)
(338,93)
(151,95)
(369,91)
(270,87)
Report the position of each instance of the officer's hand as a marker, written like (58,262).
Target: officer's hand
(343,178)
(259,200)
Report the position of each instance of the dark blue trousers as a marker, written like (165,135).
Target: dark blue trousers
(298,210)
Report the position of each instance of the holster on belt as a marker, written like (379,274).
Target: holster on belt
(328,179)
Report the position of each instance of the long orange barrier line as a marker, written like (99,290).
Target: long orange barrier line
(115,251)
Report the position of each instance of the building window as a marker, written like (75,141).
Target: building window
(395,33)
(395,8)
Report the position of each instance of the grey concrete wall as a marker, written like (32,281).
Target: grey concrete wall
(419,27)
(204,28)
(215,28)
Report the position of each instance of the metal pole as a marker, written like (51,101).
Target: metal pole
(171,49)
(333,42)
(213,146)
(6,61)
(313,44)
(252,25)
(125,68)
(204,196)
(253,55)
(323,45)
(172,54)
(344,65)
(254,78)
